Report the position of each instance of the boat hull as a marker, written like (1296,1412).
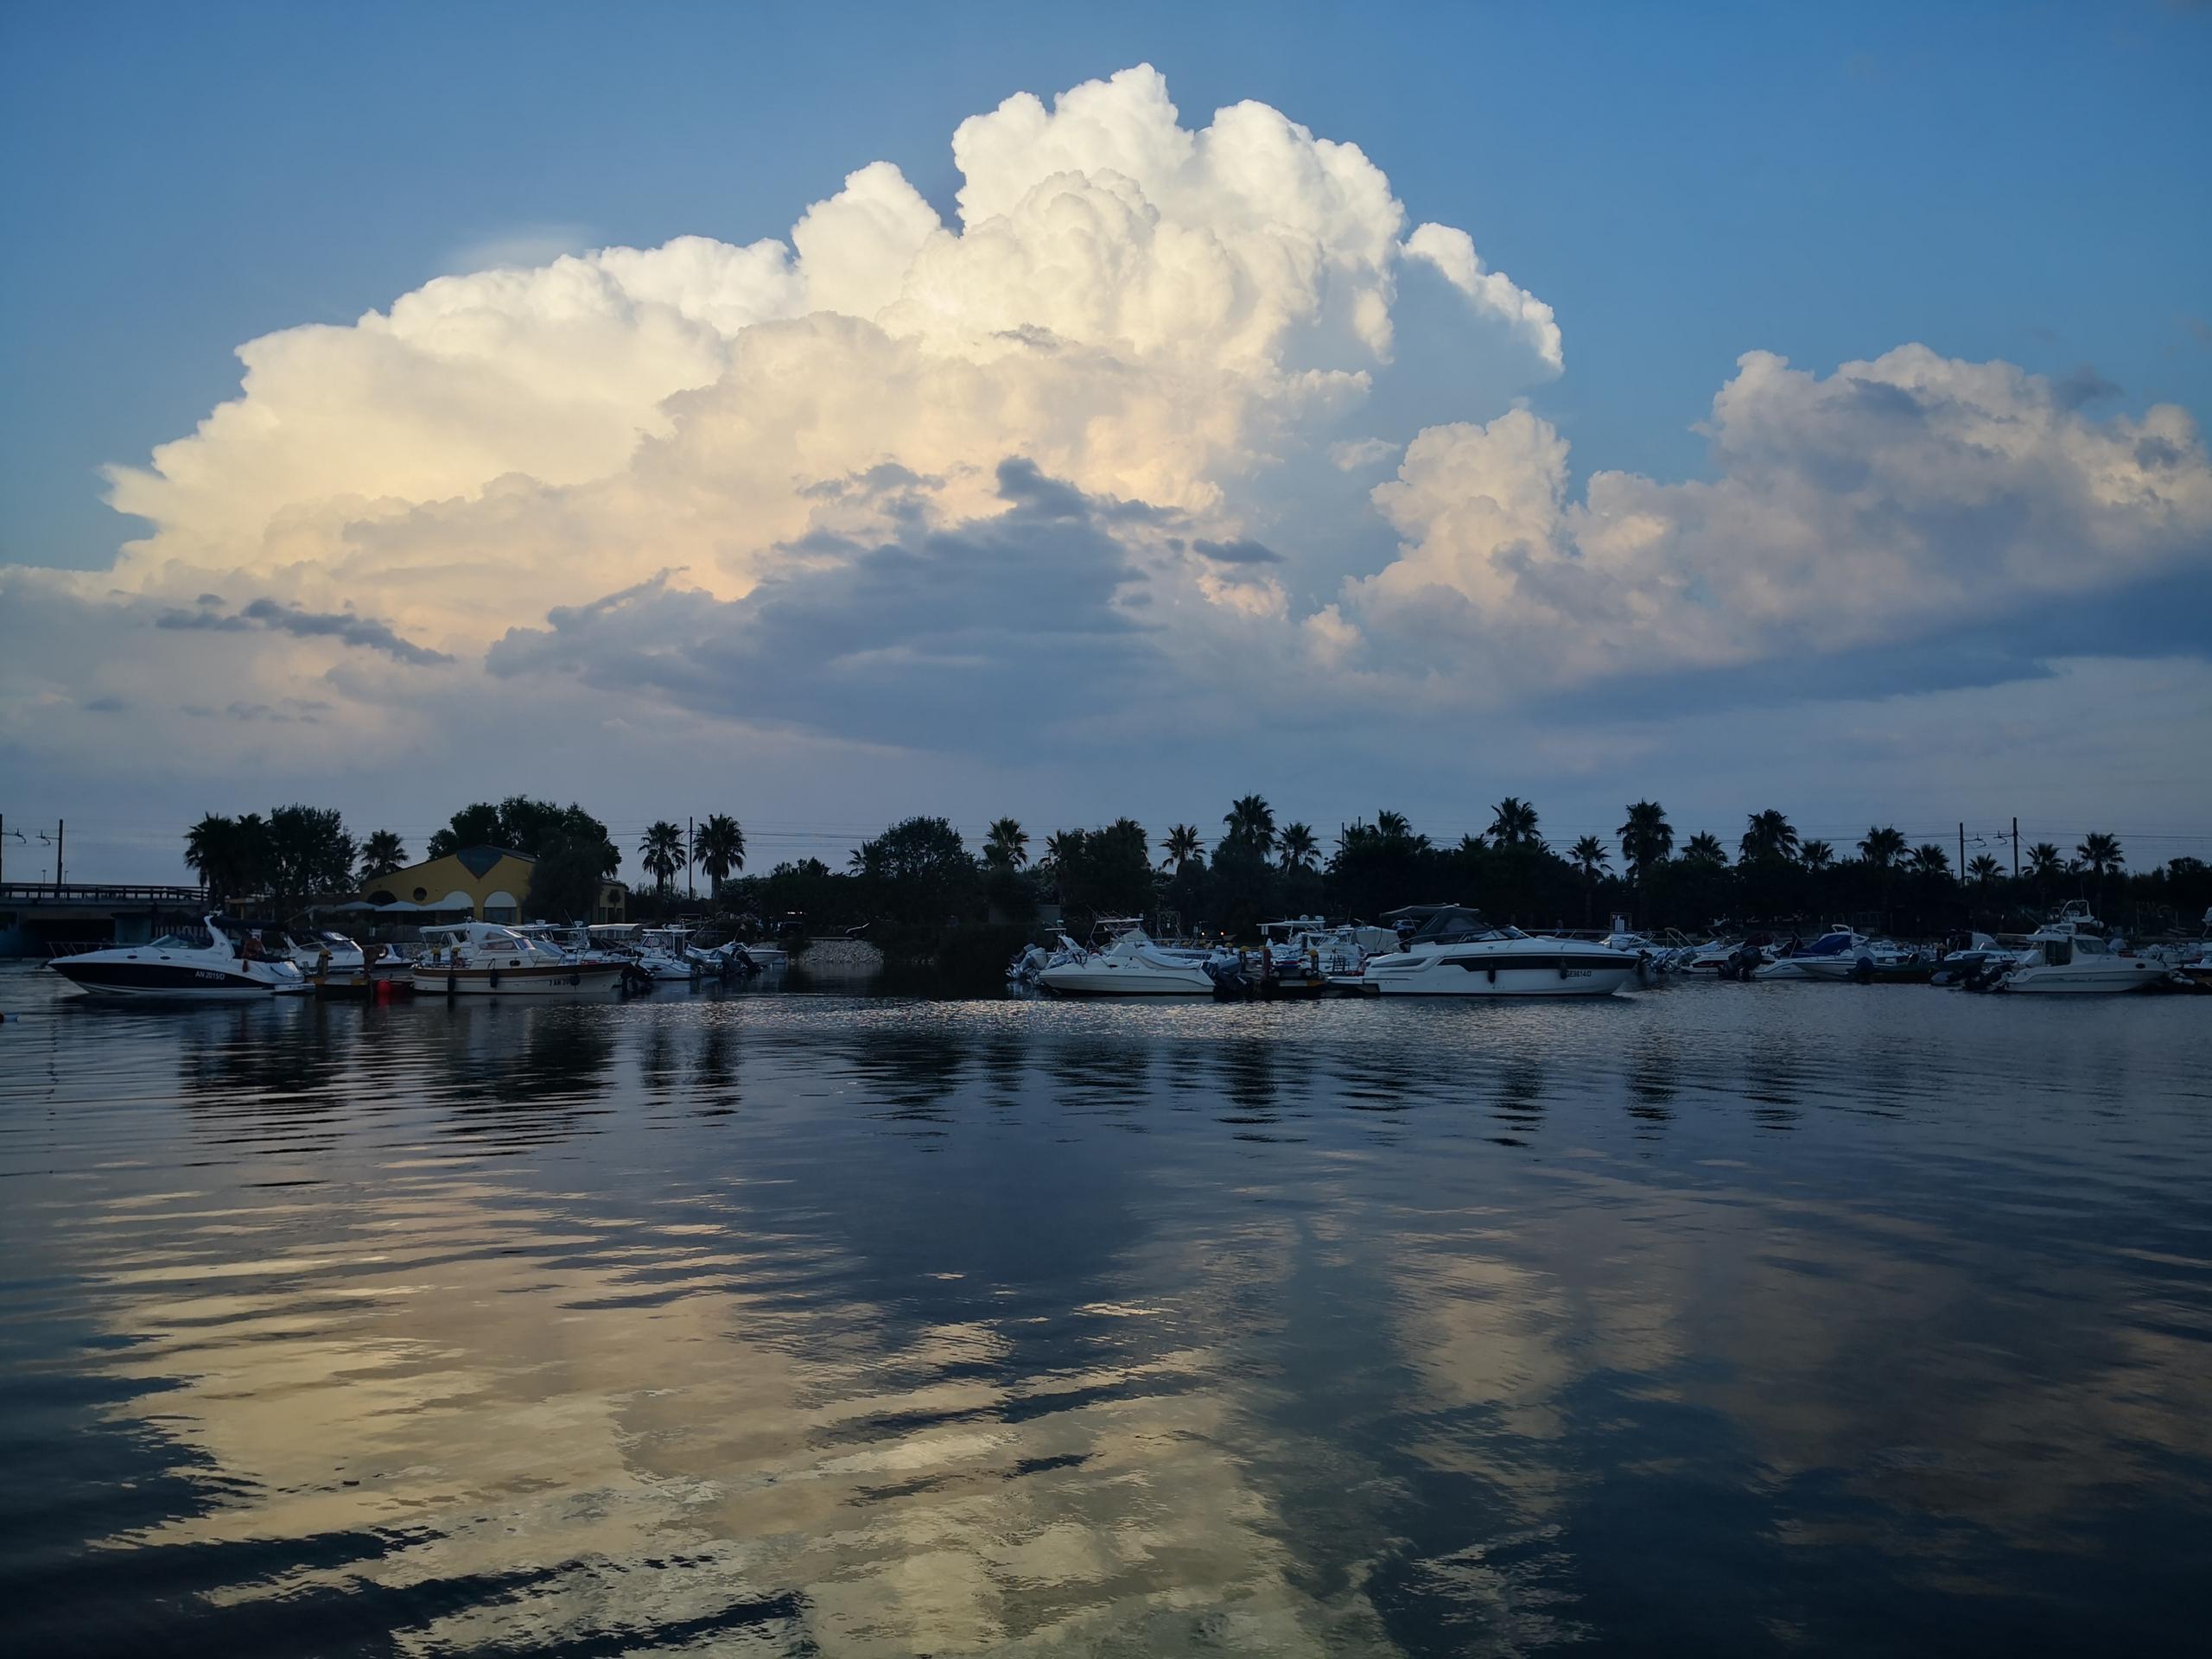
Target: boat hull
(1092,980)
(1565,974)
(161,982)
(2061,981)
(515,981)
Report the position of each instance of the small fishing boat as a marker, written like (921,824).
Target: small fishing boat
(2064,958)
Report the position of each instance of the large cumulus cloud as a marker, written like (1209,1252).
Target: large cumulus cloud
(1138,306)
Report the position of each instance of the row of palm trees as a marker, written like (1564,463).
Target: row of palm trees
(716,850)
(1646,839)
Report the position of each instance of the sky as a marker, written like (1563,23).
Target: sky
(826,414)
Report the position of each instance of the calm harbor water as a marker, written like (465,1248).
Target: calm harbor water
(1719,1318)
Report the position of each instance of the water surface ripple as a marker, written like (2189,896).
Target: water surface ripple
(1717,1319)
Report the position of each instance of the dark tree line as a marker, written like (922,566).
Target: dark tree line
(920,875)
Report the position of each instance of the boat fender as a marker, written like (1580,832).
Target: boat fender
(492,979)
(575,979)
(1863,971)
(1493,974)
(452,982)
(1562,971)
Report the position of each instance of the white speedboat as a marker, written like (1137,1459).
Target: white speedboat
(1132,966)
(1715,958)
(1454,952)
(2063,959)
(664,952)
(1832,956)
(171,967)
(1862,959)
(484,959)
(328,952)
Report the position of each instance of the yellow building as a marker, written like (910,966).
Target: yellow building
(488,884)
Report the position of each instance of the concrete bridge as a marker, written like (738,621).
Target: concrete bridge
(36,918)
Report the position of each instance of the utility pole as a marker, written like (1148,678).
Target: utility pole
(2016,846)
(61,834)
(690,877)
(1963,852)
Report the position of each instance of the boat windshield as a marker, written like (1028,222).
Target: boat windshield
(170,941)
(1452,924)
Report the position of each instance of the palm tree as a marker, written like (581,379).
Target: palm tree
(1393,826)
(1251,820)
(718,848)
(1705,847)
(1930,860)
(1984,869)
(2100,853)
(1007,844)
(1182,845)
(210,847)
(1513,822)
(1299,846)
(1646,838)
(233,855)
(1768,835)
(1590,856)
(1882,847)
(382,852)
(1816,855)
(2046,865)
(1471,846)
(1063,845)
(660,850)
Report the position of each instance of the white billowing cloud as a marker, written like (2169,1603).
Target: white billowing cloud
(1452,252)
(1140,308)
(1881,501)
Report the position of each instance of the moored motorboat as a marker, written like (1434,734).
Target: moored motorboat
(1132,966)
(2064,958)
(171,967)
(1306,957)
(328,951)
(1452,951)
(487,959)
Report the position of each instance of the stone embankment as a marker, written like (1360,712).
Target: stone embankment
(841,958)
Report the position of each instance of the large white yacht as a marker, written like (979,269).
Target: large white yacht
(1454,952)
(172,968)
(1132,966)
(484,959)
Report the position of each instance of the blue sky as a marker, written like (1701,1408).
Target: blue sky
(2029,185)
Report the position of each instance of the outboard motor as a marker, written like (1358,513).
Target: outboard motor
(1229,976)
